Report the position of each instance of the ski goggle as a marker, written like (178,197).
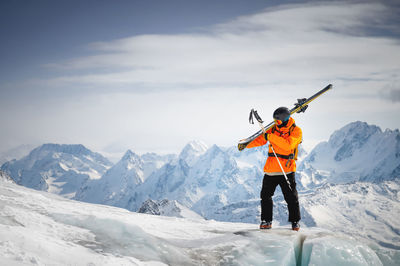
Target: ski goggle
(280,122)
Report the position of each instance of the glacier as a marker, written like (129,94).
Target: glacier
(39,228)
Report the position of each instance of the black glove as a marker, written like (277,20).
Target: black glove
(241,146)
(266,136)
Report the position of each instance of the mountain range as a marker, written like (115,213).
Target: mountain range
(351,182)
(209,181)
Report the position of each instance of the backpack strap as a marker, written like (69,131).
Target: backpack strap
(273,129)
(296,150)
(292,128)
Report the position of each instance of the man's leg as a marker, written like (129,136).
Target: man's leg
(291,197)
(267,191)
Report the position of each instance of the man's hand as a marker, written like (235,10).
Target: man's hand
(241,146)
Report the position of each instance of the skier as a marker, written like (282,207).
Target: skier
(280,167)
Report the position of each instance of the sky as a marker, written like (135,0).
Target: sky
(151,76)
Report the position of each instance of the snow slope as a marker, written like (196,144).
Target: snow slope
(38,228)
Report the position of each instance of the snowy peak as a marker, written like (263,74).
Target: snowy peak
(356,131)
(352,137)
(130,162)
(192,151)
(130,156)
(196,146)
(64,148)
(75,150)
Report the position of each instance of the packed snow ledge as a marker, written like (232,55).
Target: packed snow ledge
(38,228)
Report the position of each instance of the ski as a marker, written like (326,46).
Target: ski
(299,107)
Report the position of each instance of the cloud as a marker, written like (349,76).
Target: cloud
(303,43)
(391,92)
(395,95)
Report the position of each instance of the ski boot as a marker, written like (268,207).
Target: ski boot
(265,225)
(295,226)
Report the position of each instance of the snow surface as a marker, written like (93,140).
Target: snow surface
(38,228)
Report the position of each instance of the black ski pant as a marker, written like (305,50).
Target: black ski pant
(290,194)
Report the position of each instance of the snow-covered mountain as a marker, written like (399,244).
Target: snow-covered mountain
(356,152)
(120,182)
(38,228)
(60,169)
(153,161)
(211,182)
(166,207)
(191,152)
(116,183)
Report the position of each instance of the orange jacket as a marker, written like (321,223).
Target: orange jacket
(283,144)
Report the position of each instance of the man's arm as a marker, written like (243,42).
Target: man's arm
(259,141)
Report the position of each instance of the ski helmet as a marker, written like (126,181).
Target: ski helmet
(282,114)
